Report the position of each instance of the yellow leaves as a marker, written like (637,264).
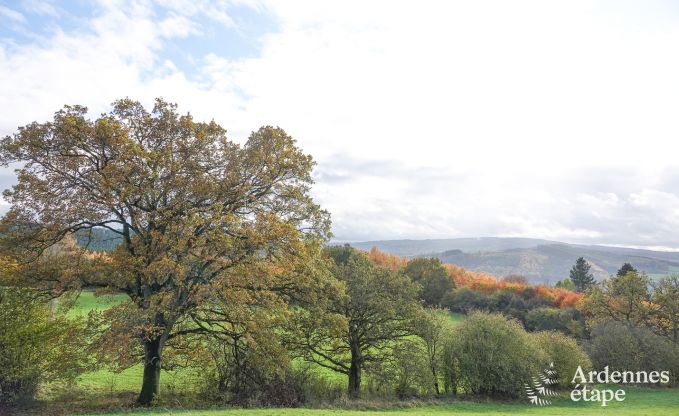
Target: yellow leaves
(163,268)
(227,230)
(8,270)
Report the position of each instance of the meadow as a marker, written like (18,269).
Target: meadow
(97,390)
(130,379)
(639,402)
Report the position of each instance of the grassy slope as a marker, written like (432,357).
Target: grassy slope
(130,379)
(87,302)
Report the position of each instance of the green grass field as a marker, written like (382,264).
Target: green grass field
(107,387)
(639,402)
(130,379)
(88,301)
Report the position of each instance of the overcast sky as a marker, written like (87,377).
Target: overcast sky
(548,119)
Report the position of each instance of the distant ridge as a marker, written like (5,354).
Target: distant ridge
(411,248)
(540,261)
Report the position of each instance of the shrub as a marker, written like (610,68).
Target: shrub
(465,300)
(494,355)
(564,352)
(626,348)
(566,320)
(405,374)
(248,366)
(36,345)
(450,365)
(509,303)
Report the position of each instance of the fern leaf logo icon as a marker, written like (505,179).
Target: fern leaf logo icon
(541,388)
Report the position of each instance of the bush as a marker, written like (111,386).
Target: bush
(622,347)
(36,345)
(248,367)
(564,352)
(493,355)
(405,374)
(568,321)
(465,300)
(509,303)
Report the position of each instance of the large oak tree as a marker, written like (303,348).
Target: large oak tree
(197,213)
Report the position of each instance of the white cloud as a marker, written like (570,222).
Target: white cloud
(428,119)
(11,15)
(177,26)
(40,7)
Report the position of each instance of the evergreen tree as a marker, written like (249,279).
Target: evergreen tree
(626,268)
(580,275)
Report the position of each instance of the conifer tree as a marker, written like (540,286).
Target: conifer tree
(580,275)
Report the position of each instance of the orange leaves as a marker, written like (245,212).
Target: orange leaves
(483,282)
(568,299)
(385,260)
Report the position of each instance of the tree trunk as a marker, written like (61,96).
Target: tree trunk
(354,379)
(355,372)
(436,379)
(150,387)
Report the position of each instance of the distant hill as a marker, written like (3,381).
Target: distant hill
(539,261)
(413,248)
(98,239)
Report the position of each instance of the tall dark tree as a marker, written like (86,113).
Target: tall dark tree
(580,276)
(432,277)
(359,326)
(197,213)
(626,268)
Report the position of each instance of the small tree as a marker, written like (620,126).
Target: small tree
(433,328)
(625,268)
(666,298)
(360,326)
(432,276)
(36,345)
(580,276)
(565,284)
(624,298)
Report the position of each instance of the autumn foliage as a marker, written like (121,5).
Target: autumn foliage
(386,260)
(483,282)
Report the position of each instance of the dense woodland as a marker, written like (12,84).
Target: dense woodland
(221,259)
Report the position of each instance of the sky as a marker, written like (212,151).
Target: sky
(427,119)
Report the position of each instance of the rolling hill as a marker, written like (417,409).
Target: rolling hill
(539,261)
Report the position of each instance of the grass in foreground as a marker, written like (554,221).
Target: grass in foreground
(639,402)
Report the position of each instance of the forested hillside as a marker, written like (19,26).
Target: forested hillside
(540,261)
